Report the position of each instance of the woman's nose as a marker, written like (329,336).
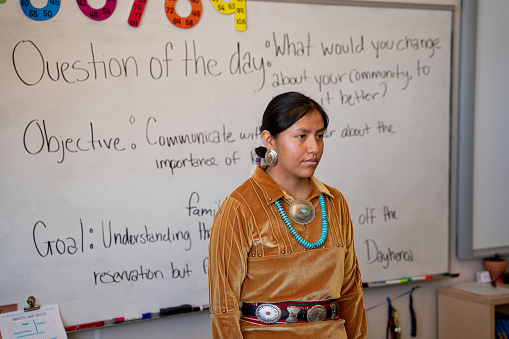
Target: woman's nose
(313,146)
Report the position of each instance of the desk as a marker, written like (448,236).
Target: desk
(466,315)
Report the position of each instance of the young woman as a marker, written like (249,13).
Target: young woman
(282,262)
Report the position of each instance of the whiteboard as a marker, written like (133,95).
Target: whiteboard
(118,144)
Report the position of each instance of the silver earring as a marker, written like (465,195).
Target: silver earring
(271,157)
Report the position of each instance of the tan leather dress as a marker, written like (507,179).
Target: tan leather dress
(254,258)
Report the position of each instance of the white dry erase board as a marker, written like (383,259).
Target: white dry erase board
(118,144)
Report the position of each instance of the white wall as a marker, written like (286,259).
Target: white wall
(491,191)
(425,297)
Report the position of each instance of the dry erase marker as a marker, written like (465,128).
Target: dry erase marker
(200,308)
(398,281)
(424,277)
(175,310)
(84,326)
(132,317)
(374,284)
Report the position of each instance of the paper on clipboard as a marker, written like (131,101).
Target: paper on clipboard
(44,323)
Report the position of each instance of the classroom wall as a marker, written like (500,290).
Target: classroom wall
(425,297)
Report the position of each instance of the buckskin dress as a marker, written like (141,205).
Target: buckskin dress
(254,258)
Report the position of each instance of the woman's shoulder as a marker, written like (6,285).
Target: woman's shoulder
(242,192)
(334,192)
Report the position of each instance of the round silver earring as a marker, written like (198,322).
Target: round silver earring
(271,157)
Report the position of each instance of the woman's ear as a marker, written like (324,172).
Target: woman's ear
(268,139)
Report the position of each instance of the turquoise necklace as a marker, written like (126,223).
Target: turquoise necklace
(296,235)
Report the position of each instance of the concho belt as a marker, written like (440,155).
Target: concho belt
(290,313)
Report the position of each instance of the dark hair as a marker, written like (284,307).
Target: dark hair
(284,110)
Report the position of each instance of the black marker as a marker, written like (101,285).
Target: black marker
(200,308)
(175,310)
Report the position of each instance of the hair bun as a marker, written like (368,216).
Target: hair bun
(260,151)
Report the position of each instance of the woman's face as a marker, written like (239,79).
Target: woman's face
(300,147)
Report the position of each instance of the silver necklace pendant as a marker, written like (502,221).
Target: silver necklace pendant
(301,211)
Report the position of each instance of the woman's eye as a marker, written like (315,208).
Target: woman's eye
(319,136)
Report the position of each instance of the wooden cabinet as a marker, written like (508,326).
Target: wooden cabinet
(466,315)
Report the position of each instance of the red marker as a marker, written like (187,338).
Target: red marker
(84,326)
(132,317)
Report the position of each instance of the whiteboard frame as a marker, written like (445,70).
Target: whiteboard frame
(357,3)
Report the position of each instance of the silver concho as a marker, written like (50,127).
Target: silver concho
(268,313)
(334,307)
(293,312)
(271,157)
(317,313)
(301,211)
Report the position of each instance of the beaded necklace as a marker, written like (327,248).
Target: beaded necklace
(296,235)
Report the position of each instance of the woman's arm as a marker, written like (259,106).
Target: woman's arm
(352,298)
(227,270)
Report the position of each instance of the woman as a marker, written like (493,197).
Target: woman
(282,243)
